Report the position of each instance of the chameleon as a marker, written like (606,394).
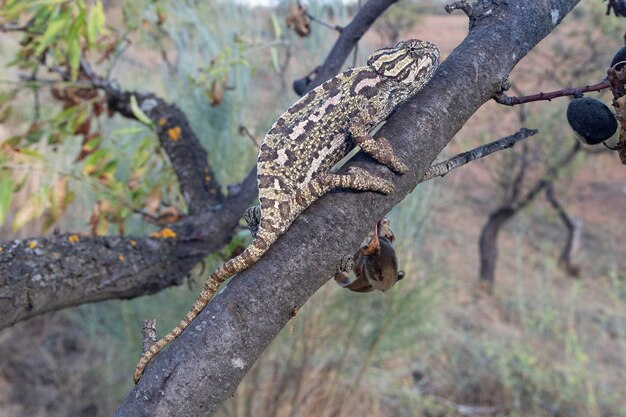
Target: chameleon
(300,149)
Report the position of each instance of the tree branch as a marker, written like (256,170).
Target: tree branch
(189,159)
(206,363)
(574,229)
(46,274)
(571,91)
(442,168)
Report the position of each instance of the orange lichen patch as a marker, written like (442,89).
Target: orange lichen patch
(1,250)
(162,121)
(174,133)
(166,233)
(133,243)
(73,238)
(121,257)
(32,244)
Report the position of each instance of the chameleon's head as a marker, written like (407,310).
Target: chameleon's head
(409,62)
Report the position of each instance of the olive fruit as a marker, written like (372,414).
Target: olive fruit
(591,119)
(620,56)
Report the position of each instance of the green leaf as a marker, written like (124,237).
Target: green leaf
(274,57)
(127,131)
(73,56)
(96,22)
(277,29)
(138,113)
(93,161)
(13,10)
(6,195)
(73,44)
(31,153)
(54,29)
(65,114)
(20,185)
(31,209)
(5,113)
(93,143)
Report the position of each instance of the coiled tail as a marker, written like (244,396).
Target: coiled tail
(247,258)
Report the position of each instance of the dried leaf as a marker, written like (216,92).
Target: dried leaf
(169,215)
(153,201)
(298,20)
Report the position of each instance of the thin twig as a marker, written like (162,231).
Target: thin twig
(321,22)
(13,27)
(571,91)
(356,46)
(574,229)
(116,57)
(551,174)
(442,168)
(245,132)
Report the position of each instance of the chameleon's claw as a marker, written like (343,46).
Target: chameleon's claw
(398,166)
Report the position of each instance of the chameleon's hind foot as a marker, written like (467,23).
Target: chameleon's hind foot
(359,179)
(253,219)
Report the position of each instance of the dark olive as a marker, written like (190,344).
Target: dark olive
(591,119)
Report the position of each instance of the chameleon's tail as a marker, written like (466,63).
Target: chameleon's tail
(239,263)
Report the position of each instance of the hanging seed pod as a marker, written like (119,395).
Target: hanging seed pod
(591,119)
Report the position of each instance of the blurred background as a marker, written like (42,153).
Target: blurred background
(543,334)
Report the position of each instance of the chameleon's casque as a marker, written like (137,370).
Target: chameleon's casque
(310,138)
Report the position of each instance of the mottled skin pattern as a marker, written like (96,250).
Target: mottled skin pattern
(309,139)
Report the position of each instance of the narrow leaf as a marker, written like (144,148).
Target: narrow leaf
(6,195)
(138,113)
(96,22)
(32,153)
(277,29)
(274,58)
(32,209)
(52,32)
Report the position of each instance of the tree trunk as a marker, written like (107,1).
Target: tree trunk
(488,246)
(206,363)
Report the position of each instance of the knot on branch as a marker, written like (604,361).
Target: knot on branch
(460,5)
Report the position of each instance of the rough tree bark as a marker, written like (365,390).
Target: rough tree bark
(207,362)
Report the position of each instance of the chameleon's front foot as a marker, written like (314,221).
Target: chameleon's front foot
(380,149)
